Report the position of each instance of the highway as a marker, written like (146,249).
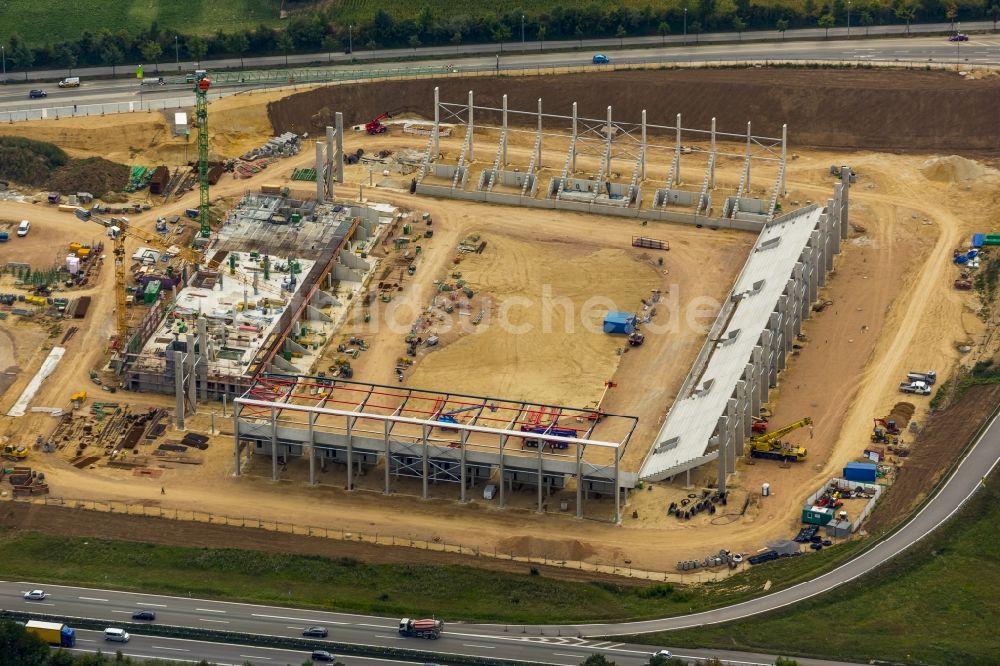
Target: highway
(565,645)
(607,45)
(505,642)
(980,50)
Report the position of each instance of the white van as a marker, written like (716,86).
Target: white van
(70,82)
(116,635)
(23,228)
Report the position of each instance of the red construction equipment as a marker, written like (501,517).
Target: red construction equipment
(375,125)
(759,426)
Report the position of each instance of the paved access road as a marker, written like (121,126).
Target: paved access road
(502,642)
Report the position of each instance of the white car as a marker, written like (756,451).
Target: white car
(35,595)
(663,653)
(23,228)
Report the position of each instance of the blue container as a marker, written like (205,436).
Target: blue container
(861,472)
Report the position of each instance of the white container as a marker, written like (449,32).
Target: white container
(765,490)
(73,264)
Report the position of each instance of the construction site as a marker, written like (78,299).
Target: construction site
(625,317)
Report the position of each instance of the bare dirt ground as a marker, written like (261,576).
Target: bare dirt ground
(860,109)
(893,310)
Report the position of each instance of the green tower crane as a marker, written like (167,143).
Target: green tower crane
(201,114)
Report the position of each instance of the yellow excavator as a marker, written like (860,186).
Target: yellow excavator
(14,452)
(770,445)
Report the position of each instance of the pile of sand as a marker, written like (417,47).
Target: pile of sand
(554,549)
(953,169)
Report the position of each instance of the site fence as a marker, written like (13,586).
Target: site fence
(294,79)
(621,568)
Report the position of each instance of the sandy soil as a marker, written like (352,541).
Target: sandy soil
(893,310)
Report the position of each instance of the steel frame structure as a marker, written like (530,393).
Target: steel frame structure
(613,140)
(416,433)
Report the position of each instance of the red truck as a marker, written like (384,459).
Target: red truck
(421,628)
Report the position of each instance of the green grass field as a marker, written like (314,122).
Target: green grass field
(455,592)
(48,21)
(934,605)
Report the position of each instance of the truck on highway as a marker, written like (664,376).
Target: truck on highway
(421,628)
(928,377)
(53,633)
(917,388)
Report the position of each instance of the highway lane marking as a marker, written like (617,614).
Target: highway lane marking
(485,647)
(391,638)
(254,656)
(377,626)
(91,599)
(302,619)
(156,605)
(209,610)
(161,647)
(205,619)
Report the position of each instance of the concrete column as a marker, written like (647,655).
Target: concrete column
(424,471)
(203,355)
(237,408)
(573,166)
(845,187)
(643,147)
(784,158)
(339,160)
(579,481)
(504,133)
(735,433)
(320,187)
(463,438)
(538,157)
(541,445)
(608,173)
(711,174)
(747,190)
(472,126)
(388,455)
(312,448)
(192,375)
(677,152)
(328,173)
(724,444)
(274,444)
(350,453)
(503,492)
(179,389)
(436,131)
(618,491)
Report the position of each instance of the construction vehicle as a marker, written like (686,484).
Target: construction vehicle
(202,83)
(14,452)
(885,431)
(917,388)
(53,633)
(759,426)
(449,417)
(375,126)
(771,447)
(928,377)
(421,628)
(635,339)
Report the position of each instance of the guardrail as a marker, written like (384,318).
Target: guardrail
(265,640)
(292,79)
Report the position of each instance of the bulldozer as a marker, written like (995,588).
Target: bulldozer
(771,447)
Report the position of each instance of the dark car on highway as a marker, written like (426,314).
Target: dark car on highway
(316,632)
(37,93)
(959,38)
(323,655)
(144,615)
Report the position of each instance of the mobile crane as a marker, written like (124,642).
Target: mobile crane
(770,445)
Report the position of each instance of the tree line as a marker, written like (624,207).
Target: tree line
(321,31)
